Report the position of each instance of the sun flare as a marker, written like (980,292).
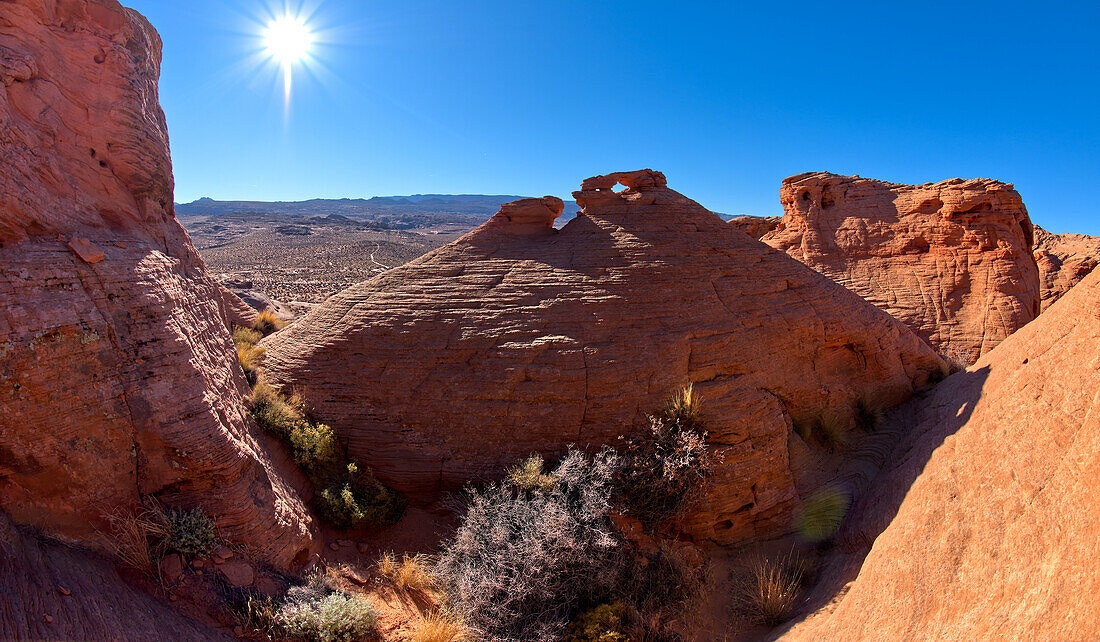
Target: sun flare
(287,39)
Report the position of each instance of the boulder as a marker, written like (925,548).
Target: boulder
(522,338)
(986,523)
(1064,260)
(118,379)
(950,259)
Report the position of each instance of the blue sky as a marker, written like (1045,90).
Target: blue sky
(727,98)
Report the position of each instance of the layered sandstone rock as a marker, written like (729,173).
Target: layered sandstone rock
(49,591)
(522,338)
(1063,260)
(991,507)
(756,226)
(950,259)
(117,379)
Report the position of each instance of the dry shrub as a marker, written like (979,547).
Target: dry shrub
(267,322)
(529,475)
(245,336)
(771,590)
(387,566)
(250,357)
(440,626)
(137,540)
(828,430)
(414,574)
(666,469)
(521,564)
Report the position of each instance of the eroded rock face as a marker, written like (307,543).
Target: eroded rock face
(756,226)
(950,259)
(519,338)
(998,483)
(1063,260)
(117,379)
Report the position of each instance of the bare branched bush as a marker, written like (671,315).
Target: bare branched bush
(666,469)
(521,564)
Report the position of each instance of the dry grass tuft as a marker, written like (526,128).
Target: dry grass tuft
(137,540)
(412,573)
(869,413)
(246,336)
(267,322)
(440,626)
(250,356)
(771,591)
(387,566)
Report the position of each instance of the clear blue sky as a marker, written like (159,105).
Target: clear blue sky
(727,98)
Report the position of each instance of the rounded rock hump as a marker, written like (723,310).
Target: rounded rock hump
(494,347)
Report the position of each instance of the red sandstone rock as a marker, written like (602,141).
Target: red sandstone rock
(108,607)
(989,513)
(239,574)
(950,259)
(756,226)
(171,567)
(502,344)
(1064,260)
(118,379)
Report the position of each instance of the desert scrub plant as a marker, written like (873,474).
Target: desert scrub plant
(821,514)
(664,470)
(440,626)
(190,532)
(770,591)
(137,539)
(346,496)
(520,564)
(529,476)
(267,322)
(827,430)
(336,617)
(250,356)
(414,573)
(246,336)
(603,623)
(869,413)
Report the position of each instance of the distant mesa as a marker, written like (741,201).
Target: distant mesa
(951,259)
(521,338)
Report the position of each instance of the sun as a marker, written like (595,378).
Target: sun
(287,39)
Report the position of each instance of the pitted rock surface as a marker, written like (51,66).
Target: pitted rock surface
(454,366)
(1064,261)
(950,259)
(118,379)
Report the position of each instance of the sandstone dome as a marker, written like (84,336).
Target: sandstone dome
(521,338)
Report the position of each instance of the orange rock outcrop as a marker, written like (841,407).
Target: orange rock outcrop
(118,380)
(991,506)
(950,259)
(521,338)
(1064,260)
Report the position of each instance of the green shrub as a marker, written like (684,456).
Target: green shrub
(190,532)
(667,468)
(604,623)
(246,336)
(520,565)
(358,499)
(336,617)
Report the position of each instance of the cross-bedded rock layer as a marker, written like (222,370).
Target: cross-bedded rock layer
(520,338)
